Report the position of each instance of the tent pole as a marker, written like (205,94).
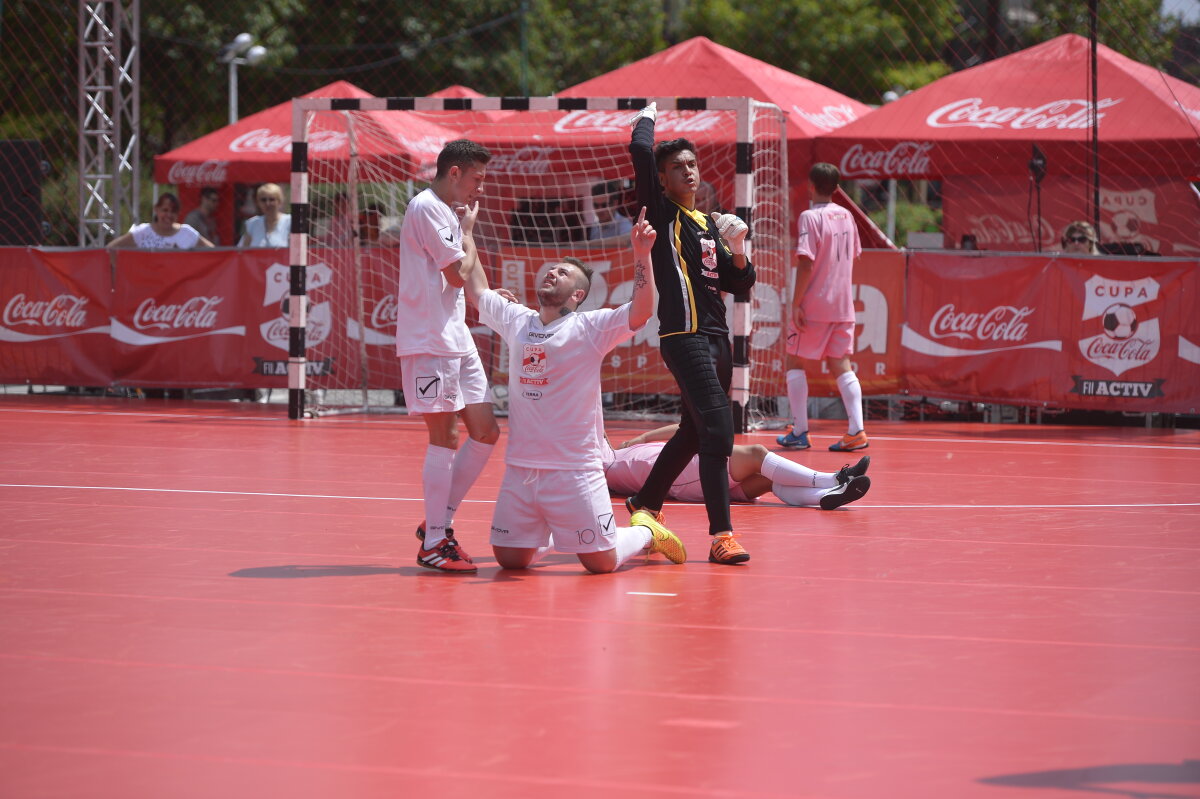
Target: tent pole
(1093,18)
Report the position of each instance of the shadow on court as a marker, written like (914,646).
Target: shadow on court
(1111,780)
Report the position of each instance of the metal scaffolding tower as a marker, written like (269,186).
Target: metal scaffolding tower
(108,121)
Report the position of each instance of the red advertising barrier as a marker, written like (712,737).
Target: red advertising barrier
(54,326)
(878,310)
(1076,333)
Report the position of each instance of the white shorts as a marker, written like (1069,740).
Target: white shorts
(570,507)
(443,384)
(820,340)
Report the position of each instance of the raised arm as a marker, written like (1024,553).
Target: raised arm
(645,296)
(470,272)
(641,151)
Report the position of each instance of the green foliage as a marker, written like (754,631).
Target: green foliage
(1135,28)
(910,217)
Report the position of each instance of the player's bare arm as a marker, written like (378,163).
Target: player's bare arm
(804,268)
(644,297)
(472,277)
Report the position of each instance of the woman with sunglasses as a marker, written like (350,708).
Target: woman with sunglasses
(1080,239)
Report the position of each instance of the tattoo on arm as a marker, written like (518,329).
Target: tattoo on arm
(639,276)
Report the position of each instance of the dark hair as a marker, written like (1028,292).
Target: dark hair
(461,153)
(606,187)
(824,177)
(209,191)
(587,273)
(665,149)
(166,197)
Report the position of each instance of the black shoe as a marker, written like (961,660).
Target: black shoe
(845,493)
(846,472)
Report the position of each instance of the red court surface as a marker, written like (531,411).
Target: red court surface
(206,600)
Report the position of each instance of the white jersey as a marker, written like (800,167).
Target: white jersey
(828,235)
(555,418)
(256,230)
(185,238)
(432,313)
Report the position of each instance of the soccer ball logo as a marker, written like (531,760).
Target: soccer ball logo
(1120,322)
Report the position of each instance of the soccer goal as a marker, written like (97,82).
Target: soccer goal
(560,168)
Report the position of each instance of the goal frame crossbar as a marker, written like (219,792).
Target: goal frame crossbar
(743,107)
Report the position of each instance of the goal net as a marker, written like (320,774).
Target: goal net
(560,169)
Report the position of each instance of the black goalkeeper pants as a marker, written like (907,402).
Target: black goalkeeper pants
(703,368)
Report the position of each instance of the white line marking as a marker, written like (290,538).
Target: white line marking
(648,593)
(675,504)
(903,439)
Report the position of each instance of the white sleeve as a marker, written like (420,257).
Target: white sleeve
(608,327)
(438,235)
(499,314)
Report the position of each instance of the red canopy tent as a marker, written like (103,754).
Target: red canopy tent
(976,130)
(257,148)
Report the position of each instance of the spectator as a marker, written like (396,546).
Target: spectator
(612,227)
(271,228)
(164,233)
(204,218)
(1080,239)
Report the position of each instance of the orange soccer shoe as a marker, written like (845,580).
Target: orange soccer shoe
(849,443)
(726,549)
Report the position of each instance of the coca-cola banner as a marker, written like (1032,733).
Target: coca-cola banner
(879,311)
(1070,333)
(55,326)
(1154,215)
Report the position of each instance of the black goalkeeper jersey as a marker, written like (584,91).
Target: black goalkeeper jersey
(692,264)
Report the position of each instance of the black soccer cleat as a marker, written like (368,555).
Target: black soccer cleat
(845,493)
(847,472)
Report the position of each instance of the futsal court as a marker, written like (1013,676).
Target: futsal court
(204,599)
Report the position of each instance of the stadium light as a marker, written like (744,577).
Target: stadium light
(232,54)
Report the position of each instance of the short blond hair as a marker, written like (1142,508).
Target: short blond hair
(269,188)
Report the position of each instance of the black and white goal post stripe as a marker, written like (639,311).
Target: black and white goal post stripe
(298,251)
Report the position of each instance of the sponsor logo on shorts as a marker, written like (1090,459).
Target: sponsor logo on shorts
(499,530)
(607,528)
(429,387)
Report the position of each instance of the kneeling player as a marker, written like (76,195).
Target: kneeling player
(554,488)
(753,471)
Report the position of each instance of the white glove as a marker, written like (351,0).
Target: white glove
(733,230)
(650,111)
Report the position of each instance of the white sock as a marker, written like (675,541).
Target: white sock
(781,471)
(435,482)
(631,541)
(852,398)
(541,553)
(468,463)
(797,388)
(798,495)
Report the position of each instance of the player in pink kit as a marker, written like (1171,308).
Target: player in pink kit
(553,487)
(821,324)
(442,374)
(753,471)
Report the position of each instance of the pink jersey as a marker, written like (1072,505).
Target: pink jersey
(827,234)
(626,471)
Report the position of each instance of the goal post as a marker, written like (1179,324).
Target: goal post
(557,163)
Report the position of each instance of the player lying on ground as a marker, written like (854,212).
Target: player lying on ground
(753,471)
(553,486)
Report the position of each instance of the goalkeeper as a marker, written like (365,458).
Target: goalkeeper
(696,257)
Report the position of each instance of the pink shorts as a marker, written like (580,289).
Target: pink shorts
(821,340)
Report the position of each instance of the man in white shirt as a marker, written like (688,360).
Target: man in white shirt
(821,324)
(443,377)
(554,488)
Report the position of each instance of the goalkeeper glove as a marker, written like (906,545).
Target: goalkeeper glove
(733,230)
(650,112)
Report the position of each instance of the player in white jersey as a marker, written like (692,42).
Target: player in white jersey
(553,488)
(821,324)
(753,471)
(443,377)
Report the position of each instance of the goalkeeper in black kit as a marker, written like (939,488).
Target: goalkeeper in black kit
(696,257)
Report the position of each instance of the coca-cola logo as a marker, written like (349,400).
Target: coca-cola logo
(618,122)
(1064,114)
(205,173)
(1002,323)
(830,117)
(264,140)
(526,161)
(198,312)
(907,158)
(65,310)
(385,313)
(995,230)
(1135,349)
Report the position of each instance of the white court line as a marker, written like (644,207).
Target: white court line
(676,504)
(1099,444)
(648,593)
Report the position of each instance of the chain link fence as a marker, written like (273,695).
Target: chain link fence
(869,52)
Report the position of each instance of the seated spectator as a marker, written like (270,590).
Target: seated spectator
(612,227)
(272,228)
(164,233)
(1080,239)
(204,217)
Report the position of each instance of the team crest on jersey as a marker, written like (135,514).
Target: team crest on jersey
(708,252)
(533,360)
